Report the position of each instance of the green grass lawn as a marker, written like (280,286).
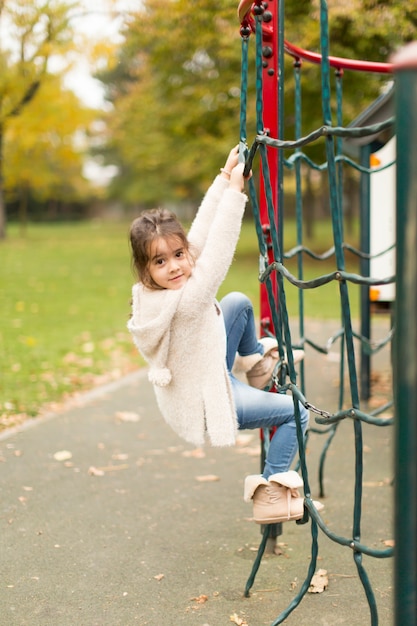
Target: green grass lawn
(65,301)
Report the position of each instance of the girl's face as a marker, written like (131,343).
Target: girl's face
(169,263)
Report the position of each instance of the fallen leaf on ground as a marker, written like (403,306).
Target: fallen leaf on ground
(389,542)
(208,478)
(200,599)
(159,576)
(94,471)
(127,416)
(238,620)
(63,455)
(120,457)
(377,402)
(319,582)
(100,471)
(197,453)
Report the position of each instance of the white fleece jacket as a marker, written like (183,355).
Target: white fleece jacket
(181,332)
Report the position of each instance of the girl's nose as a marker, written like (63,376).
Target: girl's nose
(173,266)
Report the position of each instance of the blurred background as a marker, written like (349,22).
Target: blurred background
(111,106)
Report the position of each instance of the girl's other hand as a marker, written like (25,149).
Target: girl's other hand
(237,180)
(232,159)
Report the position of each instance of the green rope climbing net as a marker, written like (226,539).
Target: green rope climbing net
(275,269)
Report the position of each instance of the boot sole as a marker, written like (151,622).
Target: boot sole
(276,520)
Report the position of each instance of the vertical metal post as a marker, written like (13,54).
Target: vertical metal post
(270,80)
(270,85)
(365,245)
(405,345)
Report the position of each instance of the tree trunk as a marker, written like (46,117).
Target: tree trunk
(23,209)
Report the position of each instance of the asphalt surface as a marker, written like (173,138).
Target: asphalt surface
(109,519)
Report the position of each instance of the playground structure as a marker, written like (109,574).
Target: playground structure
(265,21)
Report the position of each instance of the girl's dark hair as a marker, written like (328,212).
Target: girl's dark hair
(144,230)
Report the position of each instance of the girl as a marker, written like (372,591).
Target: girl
(190,340)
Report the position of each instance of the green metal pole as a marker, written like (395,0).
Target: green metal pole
(365,236)
(405,344)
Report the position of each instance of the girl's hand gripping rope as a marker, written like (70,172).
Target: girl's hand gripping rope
(231,162)
(234,170)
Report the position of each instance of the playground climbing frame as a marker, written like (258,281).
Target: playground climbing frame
(264,22)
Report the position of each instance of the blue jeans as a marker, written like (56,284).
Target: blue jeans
(256,408)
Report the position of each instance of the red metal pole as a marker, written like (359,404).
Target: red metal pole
(270,120)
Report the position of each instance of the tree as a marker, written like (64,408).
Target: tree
(175,90)
(45,146)
(176,97)
(32,31)
(358,29)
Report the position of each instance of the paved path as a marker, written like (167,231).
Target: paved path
(108,519)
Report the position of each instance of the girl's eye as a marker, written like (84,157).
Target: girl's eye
(180,253)
(159,261)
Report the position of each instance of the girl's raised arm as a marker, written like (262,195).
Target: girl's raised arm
(214,261)
(202,222)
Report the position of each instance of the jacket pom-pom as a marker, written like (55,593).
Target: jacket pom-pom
(160,376)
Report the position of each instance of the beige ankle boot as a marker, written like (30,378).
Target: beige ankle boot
(260,375)
(276,499)
(258,369)
(244,364)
